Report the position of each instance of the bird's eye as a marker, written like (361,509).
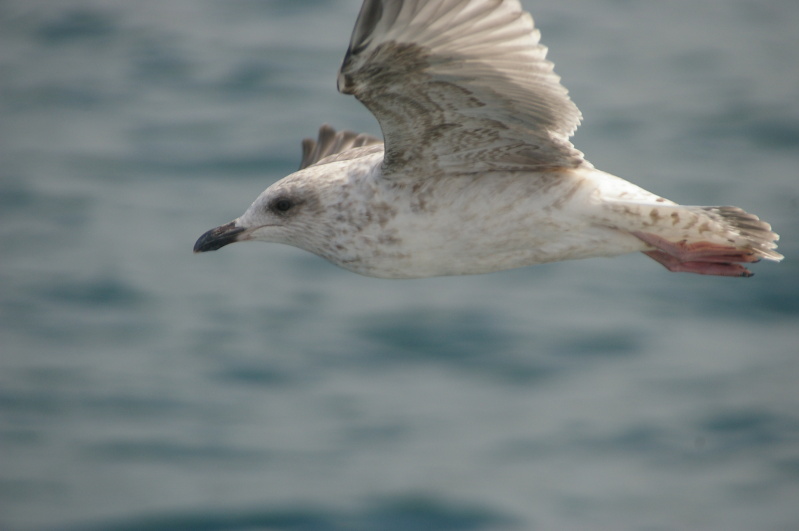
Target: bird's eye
(282,205)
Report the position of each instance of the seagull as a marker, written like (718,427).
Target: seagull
(475,172)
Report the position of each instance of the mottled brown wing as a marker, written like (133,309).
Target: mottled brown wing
(329,143)
(460,86)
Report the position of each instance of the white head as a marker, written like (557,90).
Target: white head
(291,211)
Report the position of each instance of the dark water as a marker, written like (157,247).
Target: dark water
(142,387)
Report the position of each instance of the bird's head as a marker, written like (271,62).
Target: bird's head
(286,212)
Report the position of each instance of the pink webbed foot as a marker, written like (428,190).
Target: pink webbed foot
(703,258)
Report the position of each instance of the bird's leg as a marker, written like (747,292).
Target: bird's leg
(703,258)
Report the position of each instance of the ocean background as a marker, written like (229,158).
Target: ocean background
(260,388)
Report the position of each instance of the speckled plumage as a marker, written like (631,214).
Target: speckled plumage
(477,173)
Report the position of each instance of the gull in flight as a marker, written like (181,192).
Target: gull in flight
(475,172)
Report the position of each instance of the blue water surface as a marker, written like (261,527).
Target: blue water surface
(259,387)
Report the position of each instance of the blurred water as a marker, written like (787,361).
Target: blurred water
(142,387)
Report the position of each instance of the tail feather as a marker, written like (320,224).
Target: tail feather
(713,241)
(747,231)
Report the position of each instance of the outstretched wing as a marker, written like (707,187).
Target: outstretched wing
(459,85)
(329,143)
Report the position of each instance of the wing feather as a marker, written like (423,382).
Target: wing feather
(330,143)
(460,84)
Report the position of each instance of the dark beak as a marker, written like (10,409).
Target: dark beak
(217,238)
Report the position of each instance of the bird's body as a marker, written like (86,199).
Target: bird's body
(477,173)
(405,230)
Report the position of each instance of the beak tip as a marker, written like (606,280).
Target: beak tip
(217,238)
